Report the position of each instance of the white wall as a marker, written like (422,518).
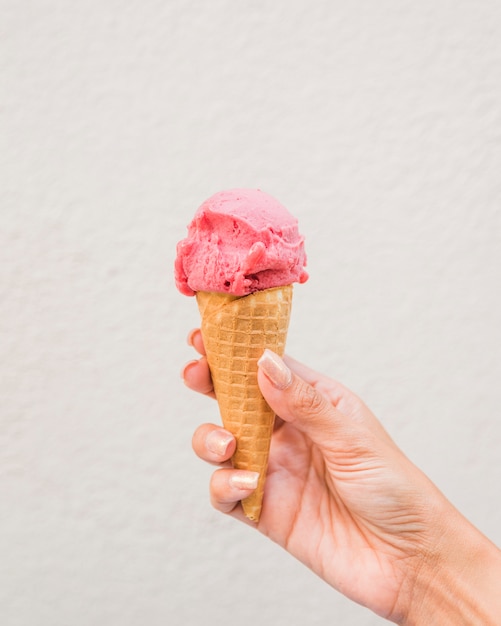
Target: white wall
(379,125)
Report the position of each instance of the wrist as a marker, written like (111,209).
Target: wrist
(457,581)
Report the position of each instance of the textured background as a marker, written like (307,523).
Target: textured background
(379,125)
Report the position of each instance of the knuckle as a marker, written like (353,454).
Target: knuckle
(306,399)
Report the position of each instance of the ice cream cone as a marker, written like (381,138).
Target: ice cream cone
(236,330)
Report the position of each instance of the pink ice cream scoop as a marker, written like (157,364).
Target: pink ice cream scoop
(240,241)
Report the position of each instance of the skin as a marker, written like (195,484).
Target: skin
(343,499)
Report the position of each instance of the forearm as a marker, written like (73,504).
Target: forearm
(460,584)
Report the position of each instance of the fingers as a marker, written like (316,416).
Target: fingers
(213,444)
(229,486)
(195,340)
(300,403)
(340,397)
(196,376)
(334,391)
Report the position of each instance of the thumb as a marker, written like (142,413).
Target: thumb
(299,403)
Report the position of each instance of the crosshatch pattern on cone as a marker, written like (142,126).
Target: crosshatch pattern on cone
(236,331)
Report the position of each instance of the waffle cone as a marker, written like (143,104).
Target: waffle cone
(236,330)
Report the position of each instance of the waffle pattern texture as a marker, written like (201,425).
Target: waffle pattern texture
(236,330)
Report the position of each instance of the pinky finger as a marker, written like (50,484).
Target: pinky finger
(229,486)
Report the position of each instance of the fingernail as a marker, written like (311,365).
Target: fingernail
(275,369)
(217,441)
(244,480)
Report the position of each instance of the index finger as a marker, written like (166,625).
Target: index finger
(195,340)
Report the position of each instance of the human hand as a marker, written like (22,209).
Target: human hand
(340,495)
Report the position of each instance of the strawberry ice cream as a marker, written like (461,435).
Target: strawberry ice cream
(240,241)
